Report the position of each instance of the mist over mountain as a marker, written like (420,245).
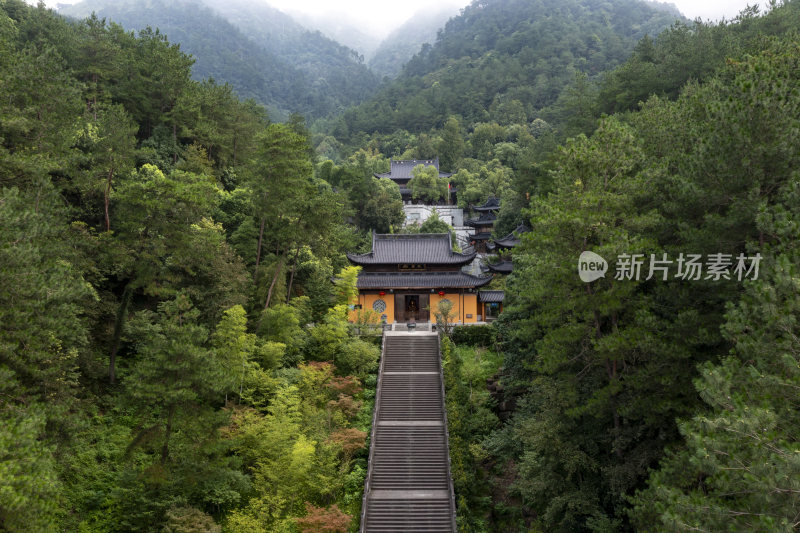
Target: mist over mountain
(407,40)
(342,29)
(508,57)
(263,53)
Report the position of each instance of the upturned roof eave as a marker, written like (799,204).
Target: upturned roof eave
(370,261)
(470,282)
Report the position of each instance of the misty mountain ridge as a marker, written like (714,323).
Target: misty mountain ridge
(405,41)
(267,55)
(341,28)
(262,52)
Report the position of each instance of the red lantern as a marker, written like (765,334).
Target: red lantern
(382,293)
(441,293)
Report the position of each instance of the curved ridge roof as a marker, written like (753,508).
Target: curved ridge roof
(420,280)
(491,204)
(401,169)
(512,239)
(416,248)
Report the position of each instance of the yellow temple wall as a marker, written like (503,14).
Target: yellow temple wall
(367,300)
(463,305)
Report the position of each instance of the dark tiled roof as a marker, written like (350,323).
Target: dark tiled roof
(512,239)
(415,248)
(503,267)
(491,296)
(492,204)
(402,169)
(480,237)
(420,280)
(486,219)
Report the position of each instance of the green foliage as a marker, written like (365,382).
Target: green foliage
(383,209)
(113,168)
(491,179)
(504,60)
(434,224)
(609,367)
(375,204)
(129,192)
(281,323)
(469,421)
(189,520)
(445,317)
(691,51)
(426,185)
(451,146)
(262,53)
(480,336)
(328,336)
(738,469)
(175,374)
(407,39)
(30,489)
(42,289)
(346,289)
(358,358)
(298,449)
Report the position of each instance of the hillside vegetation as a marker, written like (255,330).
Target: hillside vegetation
(175,354)
(505,58)
(406,40)
(165,250)
(262,53)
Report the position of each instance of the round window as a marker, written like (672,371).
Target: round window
(445,301)
(379,306)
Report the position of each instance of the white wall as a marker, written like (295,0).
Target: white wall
(419,213)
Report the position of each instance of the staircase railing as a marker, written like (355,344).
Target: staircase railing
(372,431)
(447,441)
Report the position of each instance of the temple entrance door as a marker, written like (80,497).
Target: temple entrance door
(408,306)
(423,314)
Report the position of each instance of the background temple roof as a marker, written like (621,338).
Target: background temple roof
(492,204)
(401,169)
(486,219)
(512,239)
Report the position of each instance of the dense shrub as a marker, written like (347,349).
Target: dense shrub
(475,335)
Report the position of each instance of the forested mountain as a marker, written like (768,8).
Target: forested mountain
(261,52)
(640,403)
(337,74)
(503,57)
(341,28)
(175,357)
(164,249)
(405,41)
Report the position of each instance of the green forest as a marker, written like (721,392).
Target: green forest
(175,351)
(262,53)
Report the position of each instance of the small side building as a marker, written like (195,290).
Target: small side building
(490,304)
(405,276)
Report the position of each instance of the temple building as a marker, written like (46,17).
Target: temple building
(492,205)
(510,241)
(503,248)
(401,174)
(483,224)
(490,304)
(405,276)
